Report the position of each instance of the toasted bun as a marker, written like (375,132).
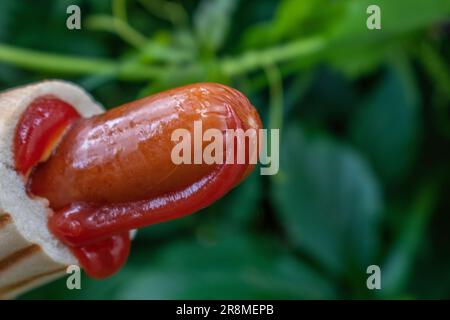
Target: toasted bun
(29,254)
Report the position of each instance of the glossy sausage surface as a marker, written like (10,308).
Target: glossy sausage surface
(124,154)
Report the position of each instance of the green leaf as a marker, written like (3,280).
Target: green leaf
(233,267)
(362,60)
(291,14)
(328,202)
(212,21)
(356,50)
(342,24)
(386,127)
(295,18)
(397,17)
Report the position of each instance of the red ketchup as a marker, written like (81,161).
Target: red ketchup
(113,172)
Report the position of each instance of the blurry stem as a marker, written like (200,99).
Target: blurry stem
(259,82)
(276,96)
(156,51)
(118,24)
(167,10)
(275,82)
(119,27)
(47,62)
(35,60)
(297,90)
(398,266)
(253,60)
(119,10)
(436,68)
(439,72)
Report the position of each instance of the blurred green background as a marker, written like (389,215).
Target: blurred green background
(365,131)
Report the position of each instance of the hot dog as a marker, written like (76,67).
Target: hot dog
(113,172)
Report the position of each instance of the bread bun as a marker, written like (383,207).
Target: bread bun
(29,254)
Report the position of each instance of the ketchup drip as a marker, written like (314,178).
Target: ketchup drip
(39,128)
(113,172)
